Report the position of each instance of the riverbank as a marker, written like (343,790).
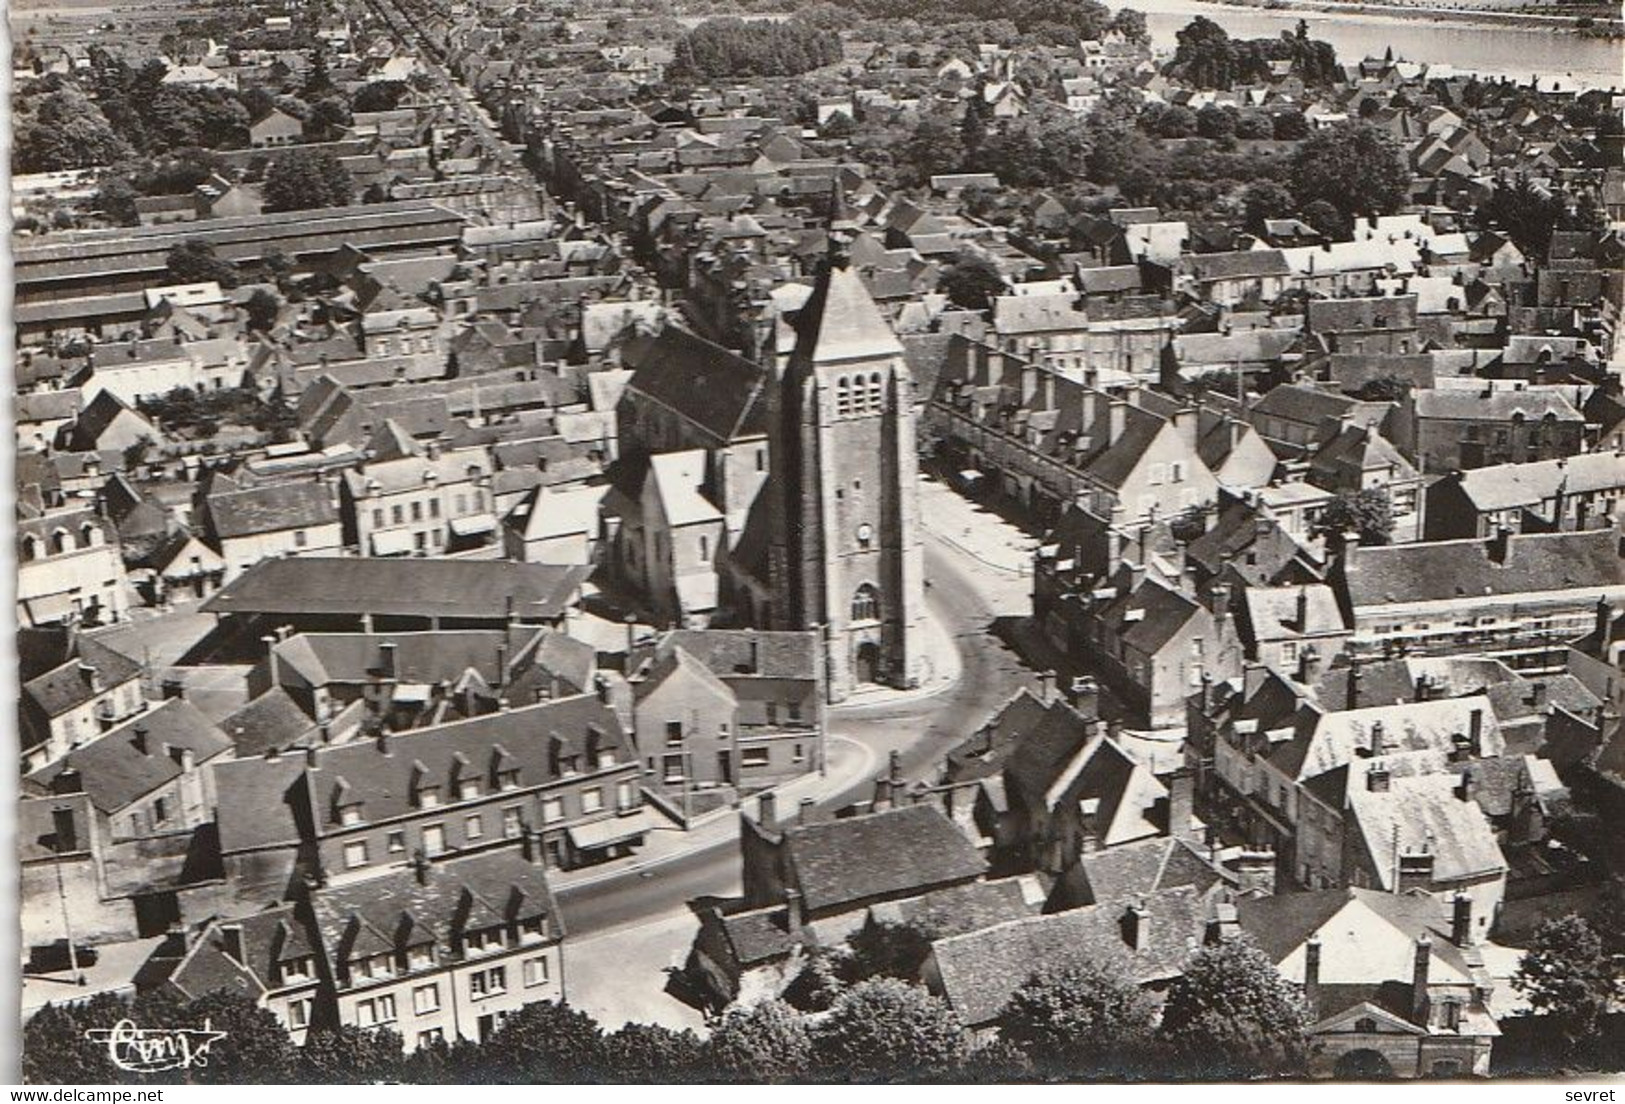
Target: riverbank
(1476,17)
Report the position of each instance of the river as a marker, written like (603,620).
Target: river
(1491,50)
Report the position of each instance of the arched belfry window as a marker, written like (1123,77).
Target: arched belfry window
(866,604)
(874,400)
(61,542)
(843,397)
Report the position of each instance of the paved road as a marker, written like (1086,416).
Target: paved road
(921,730)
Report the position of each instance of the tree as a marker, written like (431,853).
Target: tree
(1367,513)
(255,1048)
(1205,55)
(545,1042)
(1217,122)
(56,1051)
(887,1029)
(882,948)
(652,1054)
(1048,145)
(115,199)
(379,96)
(972,281)
(1255,125)
(1526,213)
(765,1042)
(64,130)
(350,1055)
(262,308)
(1265,199)
(1291,126)
(328,119)
(1231,1016)
(1327,220)
(1174,121)
(1567,974)
(733,47)
(1131,25)
(933,146)
(1086,1021)
(1355,167)
(193,261)
(300,179)
(1384,388)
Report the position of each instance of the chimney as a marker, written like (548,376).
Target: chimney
(631,639)
(753,665)
(1605,619)
(1468,788)
(272,663)
(65,829)
(310,758)
(1378,777)
(532,846)
(1181,802)
(1461,920)
(67,781)
(1311,976)
(767,809)
(386,659)
(1137,927)
(804,811)
(1419,977)
(1310,665)
(420,866)
(139,738)
(894,773)
(1475,731)
(1500,545)
(1353,687)
(1116,420)
(231,942)
(795,910)
(502,665)
(601,685)
(383,742)
(883,794)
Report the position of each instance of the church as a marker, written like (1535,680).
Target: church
(782,492)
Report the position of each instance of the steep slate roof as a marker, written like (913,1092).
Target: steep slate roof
(67,686)
(379,774)
(841,322)
(394,910)
(268,939)
(1132,870)
(1327,741)
(708,385)
(886,854)
(981,969)
(1534,562)
(115,772)
(273,719)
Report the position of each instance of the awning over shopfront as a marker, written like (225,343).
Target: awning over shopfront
(393,542)
(473,526)
(610,831)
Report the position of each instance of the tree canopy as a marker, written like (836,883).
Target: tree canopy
(733,47)
(1568,974)
(1084,1021)
(1353,166)
(764,1042)
(888,1029)
(301,179)
(1232,1016)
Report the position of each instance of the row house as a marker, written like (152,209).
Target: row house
(345,811)
(69,568)
(1448,429)
(1544,496)
(438,952)
(74,690)
(732,711)
(245,525)
(419,505)
(1052,441)
(151,776)
(1516,597)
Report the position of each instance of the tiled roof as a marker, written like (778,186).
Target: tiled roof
(271,720)
(272,508)
(710,386)
(1425,812)
(334,585)
(980,970)
(1461,569)
(887,854)
(115,771)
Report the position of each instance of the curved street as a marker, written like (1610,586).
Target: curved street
(966,596)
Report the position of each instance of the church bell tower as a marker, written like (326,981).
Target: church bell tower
(846,555)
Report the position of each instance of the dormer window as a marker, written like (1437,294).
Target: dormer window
(486,939)
(420,957)
(297,969)
(568,764)
(350,814)
(533,929)
(373,966)
(606,759)
(468,789)
(508,779)
(427,796)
